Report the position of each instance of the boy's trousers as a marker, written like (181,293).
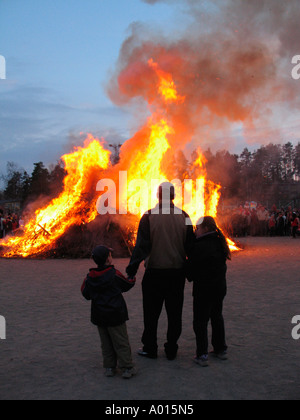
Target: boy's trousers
(116,348)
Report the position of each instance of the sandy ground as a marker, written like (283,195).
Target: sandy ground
(53,352)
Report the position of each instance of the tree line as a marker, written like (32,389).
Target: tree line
(271,172)
(19,185)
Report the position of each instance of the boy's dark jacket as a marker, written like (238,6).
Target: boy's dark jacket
(206,266)
(104,287)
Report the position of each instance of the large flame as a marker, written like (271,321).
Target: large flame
(145,166)
(72,207)
(141,158)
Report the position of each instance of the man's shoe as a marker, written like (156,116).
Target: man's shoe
(143,353)
(221,356)
(202,360)
(110,372)
(171,352)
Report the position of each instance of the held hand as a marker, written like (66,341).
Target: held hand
(131,279)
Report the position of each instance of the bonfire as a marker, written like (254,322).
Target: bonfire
(146,159)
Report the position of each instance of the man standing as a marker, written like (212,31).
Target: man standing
(164,239)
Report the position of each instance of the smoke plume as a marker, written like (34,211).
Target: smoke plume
(232,64)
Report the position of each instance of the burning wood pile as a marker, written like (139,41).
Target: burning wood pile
(70,225)
(78,241)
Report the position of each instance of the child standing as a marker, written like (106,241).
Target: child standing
(104,286)
(207,270)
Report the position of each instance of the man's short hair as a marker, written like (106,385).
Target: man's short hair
(166,191)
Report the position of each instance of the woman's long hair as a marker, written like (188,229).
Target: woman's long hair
(210,224)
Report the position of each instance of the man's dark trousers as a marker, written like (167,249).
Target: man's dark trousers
(159,287)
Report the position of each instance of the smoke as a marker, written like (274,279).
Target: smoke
(232,64)
(151,1)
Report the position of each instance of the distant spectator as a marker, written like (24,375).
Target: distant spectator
(295,225)
(2,225)
(254,223)
(281,224)
(15,222)
(272,225)
(8,224)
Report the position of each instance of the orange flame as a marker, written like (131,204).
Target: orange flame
(166,86)
(71,207)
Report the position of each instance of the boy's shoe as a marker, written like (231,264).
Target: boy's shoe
(221,356)
(128,373)
(143,353)
(110,372)
(202,360)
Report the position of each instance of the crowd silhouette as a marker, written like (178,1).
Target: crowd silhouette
(10,223)
(257,220)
